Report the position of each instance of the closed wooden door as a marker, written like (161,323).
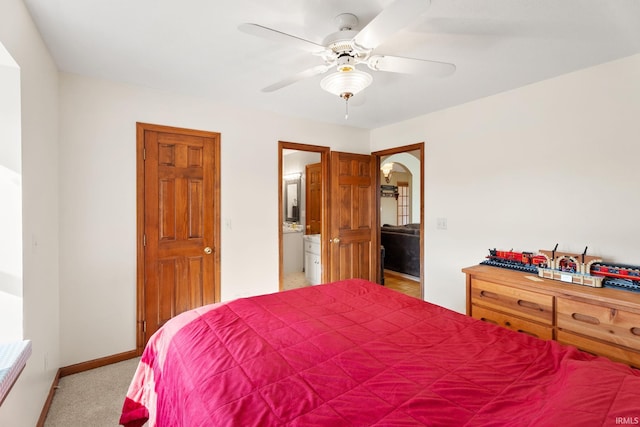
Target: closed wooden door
(313,198)
(181,239)
(352,241)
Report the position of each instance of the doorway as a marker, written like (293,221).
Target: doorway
(178,224)
(303,179)
(400,205)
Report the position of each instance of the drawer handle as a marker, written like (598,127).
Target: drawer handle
(635,331)
(484,319)
(528,333)
(586,319)
(488,294)
(529,304)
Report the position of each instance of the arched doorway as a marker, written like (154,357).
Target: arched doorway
(401,212)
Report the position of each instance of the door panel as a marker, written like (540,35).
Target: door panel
(180,223)
(352,229)
(314,198)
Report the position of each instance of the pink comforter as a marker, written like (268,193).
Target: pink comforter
(354,353)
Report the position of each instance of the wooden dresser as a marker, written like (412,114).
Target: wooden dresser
(597,320)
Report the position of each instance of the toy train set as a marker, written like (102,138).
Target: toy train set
(521,261)
(581,269)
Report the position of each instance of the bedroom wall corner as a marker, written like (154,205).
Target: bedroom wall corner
(39,169)
(551,162)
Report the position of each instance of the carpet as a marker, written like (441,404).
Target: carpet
(91,398)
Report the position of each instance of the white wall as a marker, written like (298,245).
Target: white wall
(98,206)
(39,165)
(552,162)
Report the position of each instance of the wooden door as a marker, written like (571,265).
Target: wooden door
(352,243)
(313,198)
(181,223)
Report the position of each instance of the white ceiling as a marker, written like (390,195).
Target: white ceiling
(194,47)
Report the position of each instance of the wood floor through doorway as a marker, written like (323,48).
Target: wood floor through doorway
(402,283)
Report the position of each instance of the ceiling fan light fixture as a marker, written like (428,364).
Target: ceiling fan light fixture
(340,82)
(346,83)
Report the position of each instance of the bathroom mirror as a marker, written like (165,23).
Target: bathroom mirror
(292,200)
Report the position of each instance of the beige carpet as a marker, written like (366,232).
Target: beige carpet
(91,398)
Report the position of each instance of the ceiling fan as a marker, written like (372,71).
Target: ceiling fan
(347,48)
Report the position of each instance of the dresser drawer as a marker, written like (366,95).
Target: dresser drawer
(515,324)
(599,321)
(527,304)
(619,354)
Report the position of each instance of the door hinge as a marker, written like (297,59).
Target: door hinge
(144,154)
(144,240)
(144,326)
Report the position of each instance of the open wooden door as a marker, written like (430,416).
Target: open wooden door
(313,198)
(353,242)
(179,195)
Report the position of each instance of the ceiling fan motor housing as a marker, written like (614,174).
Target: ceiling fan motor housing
(346,62)
(342,42)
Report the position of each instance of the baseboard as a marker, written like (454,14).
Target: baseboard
(80,367)
(97,363)
(47,403)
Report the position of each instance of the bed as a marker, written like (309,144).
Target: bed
(353,353)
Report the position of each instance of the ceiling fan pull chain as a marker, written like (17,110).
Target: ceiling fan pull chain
(346,109)
(346,96)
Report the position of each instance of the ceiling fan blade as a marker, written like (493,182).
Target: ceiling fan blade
(278,36)
(397,64)
(388,22)
(318,69)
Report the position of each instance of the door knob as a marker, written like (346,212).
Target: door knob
(207,250)
(335,240)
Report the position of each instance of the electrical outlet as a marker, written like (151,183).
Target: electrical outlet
(441,224)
